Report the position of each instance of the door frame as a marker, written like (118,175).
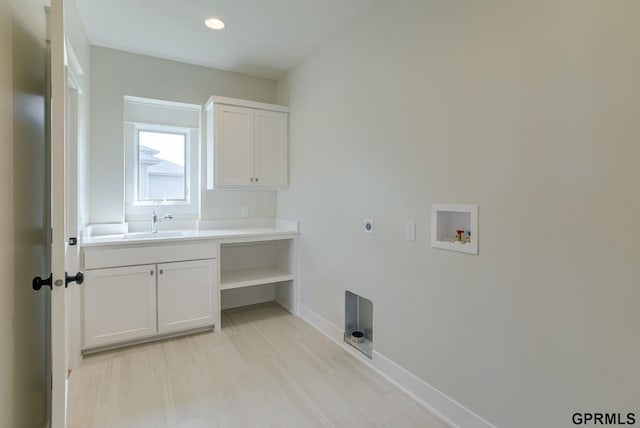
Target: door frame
(72,253)
(58,294)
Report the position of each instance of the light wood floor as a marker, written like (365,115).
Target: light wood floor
(266,368)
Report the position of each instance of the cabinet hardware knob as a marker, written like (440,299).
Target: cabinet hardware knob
(252,179)
(256,179)
(161,271)
(151,273)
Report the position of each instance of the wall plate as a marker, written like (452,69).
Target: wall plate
(410,230)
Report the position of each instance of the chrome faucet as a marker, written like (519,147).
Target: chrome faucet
(155,221)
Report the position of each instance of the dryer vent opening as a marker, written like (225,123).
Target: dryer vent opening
(358,322)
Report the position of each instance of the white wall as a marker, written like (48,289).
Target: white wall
(529,109)
(116,74)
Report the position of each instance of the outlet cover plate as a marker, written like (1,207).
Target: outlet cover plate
(367,226)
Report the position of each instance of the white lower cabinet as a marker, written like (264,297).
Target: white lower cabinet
(128,303)
(119,304)
(187,295)
(134,293)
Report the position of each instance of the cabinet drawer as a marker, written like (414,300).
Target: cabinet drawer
(97,258)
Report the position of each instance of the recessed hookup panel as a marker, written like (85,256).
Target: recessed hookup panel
(358,328)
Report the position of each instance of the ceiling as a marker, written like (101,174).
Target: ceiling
(264,38)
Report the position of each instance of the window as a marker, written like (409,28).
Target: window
(161,158)
(162,170)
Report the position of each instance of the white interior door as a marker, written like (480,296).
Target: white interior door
(58,300)
(25,378)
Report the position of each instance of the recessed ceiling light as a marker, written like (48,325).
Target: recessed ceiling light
(214,23)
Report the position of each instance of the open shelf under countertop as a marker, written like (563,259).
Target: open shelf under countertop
(248,277)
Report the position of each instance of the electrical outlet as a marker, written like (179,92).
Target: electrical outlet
(367,226)
(410,230)
(244,212)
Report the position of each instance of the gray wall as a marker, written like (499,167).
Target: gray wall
(6,219)
(116,74)
(529,109)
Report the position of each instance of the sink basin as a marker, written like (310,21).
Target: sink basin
(149,235)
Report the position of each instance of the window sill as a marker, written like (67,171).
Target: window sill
(160,204)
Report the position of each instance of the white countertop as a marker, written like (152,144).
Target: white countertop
(164,236)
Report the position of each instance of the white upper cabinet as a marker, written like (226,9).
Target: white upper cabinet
(270,153)
(233,146)
(247,144)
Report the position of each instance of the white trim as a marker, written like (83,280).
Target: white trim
(71,59)
(57,142)
(73,78)
(438,403)
(161,103)
(66,395)
(72,253)
(215,99)
(160,115)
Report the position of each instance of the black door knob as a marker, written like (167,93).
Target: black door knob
(38,282)
(78,278)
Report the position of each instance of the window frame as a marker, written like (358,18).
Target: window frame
(164,129)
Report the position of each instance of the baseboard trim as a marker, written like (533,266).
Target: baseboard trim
(438,403)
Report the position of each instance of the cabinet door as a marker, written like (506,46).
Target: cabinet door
(233,146)
(187,295)
(119,304)
(271,157)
